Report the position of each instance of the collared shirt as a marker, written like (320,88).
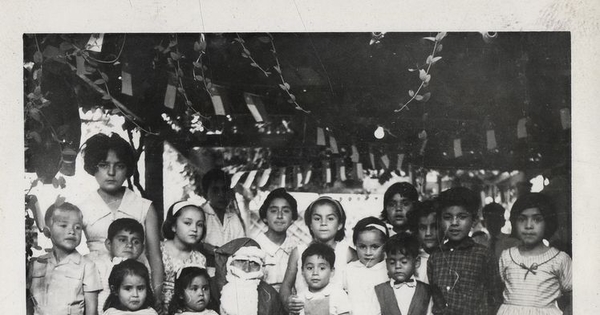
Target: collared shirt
(276,258)
(404,293)
(59,287)
(465,279)
(336,296)
(421,272)
(218,233)
(97,216)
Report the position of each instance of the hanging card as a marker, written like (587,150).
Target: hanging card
(298,172)
(256,107)
(565,118)
(95,42)
(386,161)
(400,161)
(333,145)
(522,128)
(342,173)
(457,148)
(250,179)
(372,159)
(170,96)
(217,101)
(236,178)
(320,136)
(126,86)
(491,139)
(307,176)
(358,171)
(264,178)
(282,178)
(354,157)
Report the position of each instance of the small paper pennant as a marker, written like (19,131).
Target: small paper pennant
(282,178)
(170,96)
(328,174)
(333,145)
(522,128)
(307,175)
(354,157)
(320,136)
(95,42)
(298,173)
(264,178)
(565,118)
(372,159)
(400,161)
(126,86)
(217,101)
(385,161)
(256,107)
(457,148)
(236,178)
(342,173)
(358,168)
(250,179)
(491,139)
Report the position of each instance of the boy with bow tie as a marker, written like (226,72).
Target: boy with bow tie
(403,295)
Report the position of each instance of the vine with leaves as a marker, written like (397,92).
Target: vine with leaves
(424,72)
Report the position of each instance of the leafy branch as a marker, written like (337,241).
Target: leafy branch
(284,85)
(200,47)
(246,54)
(424,74)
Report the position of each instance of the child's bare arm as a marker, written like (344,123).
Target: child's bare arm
(91,303)
(153,253)
(289,279)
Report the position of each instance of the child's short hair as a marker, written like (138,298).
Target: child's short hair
(97,147)
(125,224)
(405,189)
(320,250)
(422,210)
(461,197)
(65,206)
(370,224)
(211,177)
(187,275)
(117,275)
(403,243)
(541,202)
(172,215)
(493,208)
(336,205)
(279,193)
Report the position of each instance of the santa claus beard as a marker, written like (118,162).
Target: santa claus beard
(240,297)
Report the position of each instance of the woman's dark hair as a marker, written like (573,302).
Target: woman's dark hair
(188,274)
(118,274)
(279,193)
(212,176)
(405,189)
(167,226)
(336,205)
(96,150)
(367,224)
(538,201)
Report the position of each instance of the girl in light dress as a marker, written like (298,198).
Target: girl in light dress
(192,293)
(326,219)
(369,270)
(278,212)
(535,275)
(183,230)
(130,290)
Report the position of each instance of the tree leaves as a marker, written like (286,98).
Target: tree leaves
(411,93)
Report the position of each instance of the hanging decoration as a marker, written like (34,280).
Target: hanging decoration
(424,71)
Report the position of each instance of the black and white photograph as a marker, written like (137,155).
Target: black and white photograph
(374,169)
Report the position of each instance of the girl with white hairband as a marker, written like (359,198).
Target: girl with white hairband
(183,230)
(361,276)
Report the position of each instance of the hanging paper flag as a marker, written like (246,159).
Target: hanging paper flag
(282,178)
(256,107)
(307,175)
(320,136)
(491,139)
(126,86)
(457,148)
(236,178)
(333,145)
(217,100)
(342,172)
(80,65)
(358,168)
(386,161)
(264,178)
(372,159)
(354,157)
(328,174)
(565,118)
(298,176)
(170,96)
(250,179)
(95,43)
(400,161)
(521,128)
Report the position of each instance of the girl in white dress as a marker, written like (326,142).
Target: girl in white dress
(535,275)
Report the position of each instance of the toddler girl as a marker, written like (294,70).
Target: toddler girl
(534,274)
(369,270)
(192,293)
(183,230)
(326,219)
(278,211)
(130,290)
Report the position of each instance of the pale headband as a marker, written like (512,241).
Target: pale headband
(182,204)
(178,274)
(379,227)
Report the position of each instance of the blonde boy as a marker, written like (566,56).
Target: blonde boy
(62,281)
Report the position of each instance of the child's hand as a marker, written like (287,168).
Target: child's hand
(295,304)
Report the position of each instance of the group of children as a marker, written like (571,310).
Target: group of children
(420,259)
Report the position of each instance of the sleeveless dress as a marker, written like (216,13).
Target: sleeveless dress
(172,266)
(534,283)
(342,249)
